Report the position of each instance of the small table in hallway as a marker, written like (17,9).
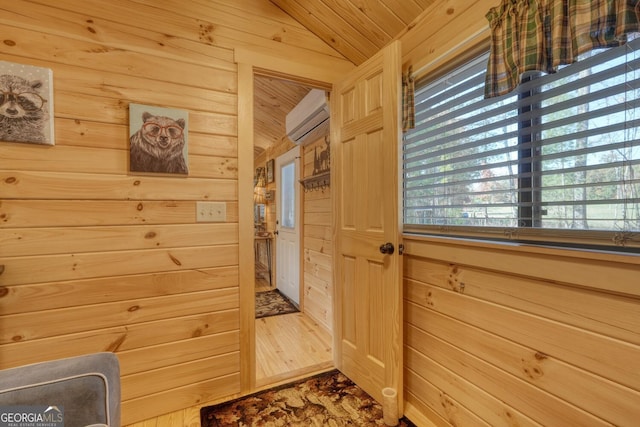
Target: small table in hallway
(266,240)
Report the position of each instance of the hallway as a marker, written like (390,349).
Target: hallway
(289,345)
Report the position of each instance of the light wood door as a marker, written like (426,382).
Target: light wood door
(288,224)
(365,117)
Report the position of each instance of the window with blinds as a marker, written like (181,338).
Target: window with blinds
(557,160)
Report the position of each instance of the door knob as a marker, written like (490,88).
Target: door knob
(387,248)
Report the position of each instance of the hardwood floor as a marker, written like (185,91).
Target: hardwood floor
(288,347)
(262,284)
(290,343)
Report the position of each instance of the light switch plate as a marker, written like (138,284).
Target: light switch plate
(211,211)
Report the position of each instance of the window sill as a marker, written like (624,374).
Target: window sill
(528,248)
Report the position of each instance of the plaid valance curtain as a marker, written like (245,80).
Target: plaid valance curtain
(540,35)
(408,100)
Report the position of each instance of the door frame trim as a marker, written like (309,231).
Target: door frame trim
(251,64)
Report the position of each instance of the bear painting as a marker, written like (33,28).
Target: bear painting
(158,144)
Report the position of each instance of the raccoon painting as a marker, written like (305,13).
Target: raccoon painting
(21,115)
(157,146)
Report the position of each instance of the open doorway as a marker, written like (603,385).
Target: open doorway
(300,343)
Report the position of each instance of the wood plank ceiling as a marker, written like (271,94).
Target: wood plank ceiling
(273,99)
(355,28)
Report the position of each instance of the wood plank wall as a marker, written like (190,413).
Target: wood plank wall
(97,259)
(318,261)
(502,335)
(533,338)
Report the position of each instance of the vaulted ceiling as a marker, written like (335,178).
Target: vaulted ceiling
(355,28)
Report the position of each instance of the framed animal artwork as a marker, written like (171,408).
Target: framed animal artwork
(270,171)
(26,103)
(158,140)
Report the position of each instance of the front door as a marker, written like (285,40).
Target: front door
(365,120)
(288,224)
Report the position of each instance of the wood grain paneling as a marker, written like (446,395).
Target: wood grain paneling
(30,269)
(121,338)
(317,242)
(359,29)
(146,407)
(51,295)
(43,241)
(179,375)
(554,351)
(98,259)
(28,213)
(175,353)
(61,186)
(616,315)
(35,325)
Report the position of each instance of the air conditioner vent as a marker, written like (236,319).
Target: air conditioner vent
(309,120)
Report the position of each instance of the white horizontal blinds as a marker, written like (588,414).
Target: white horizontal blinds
(589,154)
(560,154)
(461,160)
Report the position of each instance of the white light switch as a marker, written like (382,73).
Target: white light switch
(211,211)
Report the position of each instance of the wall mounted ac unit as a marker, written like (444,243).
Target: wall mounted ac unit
(309,120)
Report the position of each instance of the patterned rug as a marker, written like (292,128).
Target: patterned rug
(329,399)
(272,303)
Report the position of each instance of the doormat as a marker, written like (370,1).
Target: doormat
(329,399)
(273,303)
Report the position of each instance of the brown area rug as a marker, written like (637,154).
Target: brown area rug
(329,399)
(273,303)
